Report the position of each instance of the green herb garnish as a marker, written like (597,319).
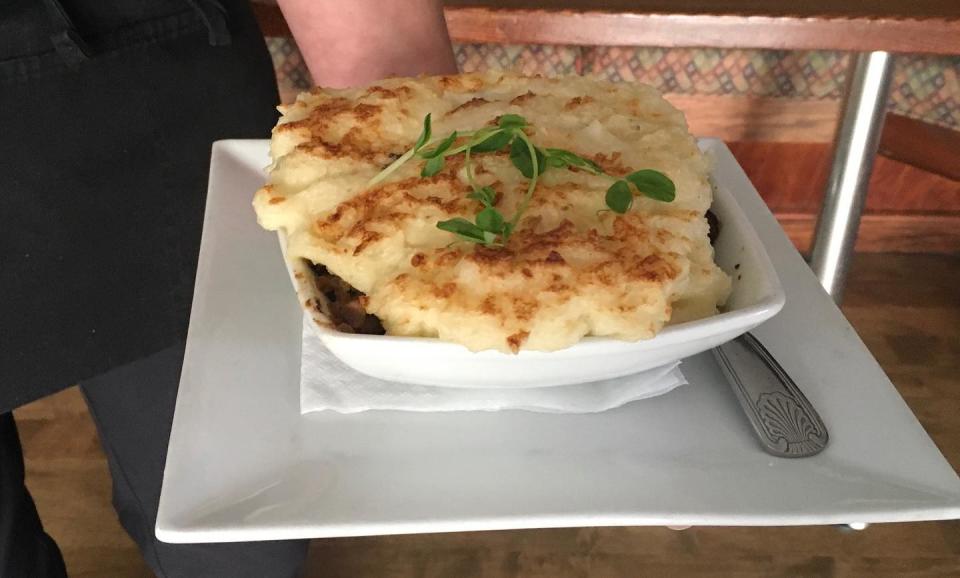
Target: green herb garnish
(653,184)
(497,140)
(440,148)
(522,155)
(490,228)
(619,197)
(486,195)
(564,159)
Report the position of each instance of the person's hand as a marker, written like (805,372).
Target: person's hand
(354,42)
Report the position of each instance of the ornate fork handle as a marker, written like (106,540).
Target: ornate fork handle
(786,423)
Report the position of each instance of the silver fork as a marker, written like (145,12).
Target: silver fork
(784,420)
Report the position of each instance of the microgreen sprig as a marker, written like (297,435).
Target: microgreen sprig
(490,227)
(423,139)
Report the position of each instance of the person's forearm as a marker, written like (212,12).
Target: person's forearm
(354,42)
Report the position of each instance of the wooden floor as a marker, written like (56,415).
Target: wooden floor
(906,308)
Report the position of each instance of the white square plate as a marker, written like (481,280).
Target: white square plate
(243,464)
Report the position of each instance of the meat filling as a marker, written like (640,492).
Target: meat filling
(345,304)
(714,224)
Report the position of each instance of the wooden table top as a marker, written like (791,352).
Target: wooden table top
(921,26)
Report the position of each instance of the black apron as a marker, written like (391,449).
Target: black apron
(107,113)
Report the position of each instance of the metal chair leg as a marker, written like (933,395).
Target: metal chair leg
(858,135)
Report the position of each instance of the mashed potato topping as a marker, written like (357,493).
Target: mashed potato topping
(569,270)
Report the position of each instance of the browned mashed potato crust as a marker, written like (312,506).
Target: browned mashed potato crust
(570,269)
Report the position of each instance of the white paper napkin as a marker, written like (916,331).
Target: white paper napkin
(326,383)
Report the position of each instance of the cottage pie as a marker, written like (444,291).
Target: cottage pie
(370,257)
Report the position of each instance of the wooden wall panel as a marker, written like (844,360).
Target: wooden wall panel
(766,119)
(791,177)
(909,210)
(896,25)
(922,233)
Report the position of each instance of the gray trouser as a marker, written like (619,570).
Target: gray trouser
(133,409)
